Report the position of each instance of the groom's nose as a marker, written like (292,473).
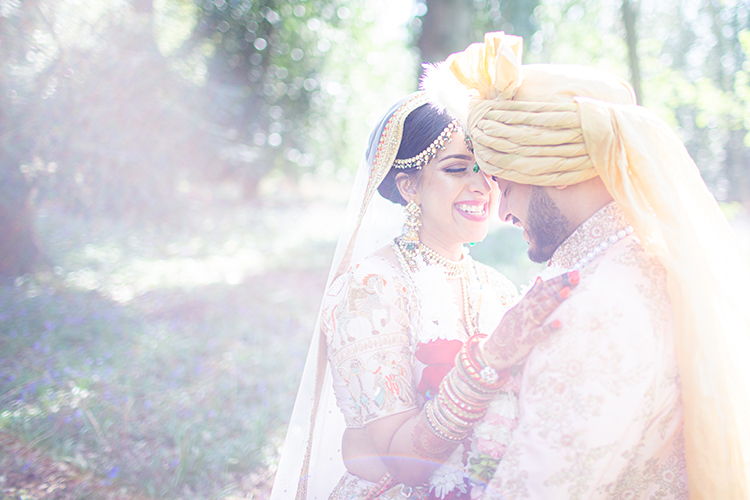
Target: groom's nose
(503,211)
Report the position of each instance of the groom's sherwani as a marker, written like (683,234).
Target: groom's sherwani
(600,409)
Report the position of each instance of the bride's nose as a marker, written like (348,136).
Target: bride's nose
(480,183)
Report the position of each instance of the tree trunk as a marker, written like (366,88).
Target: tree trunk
(735,166)
(19,250)
(446,28)
(631,37)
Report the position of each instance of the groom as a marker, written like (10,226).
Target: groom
(601,414)
(605,187)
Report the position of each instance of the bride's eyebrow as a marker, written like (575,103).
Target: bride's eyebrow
(457,156)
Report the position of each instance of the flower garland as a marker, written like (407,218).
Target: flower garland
(487,446)
(492,436)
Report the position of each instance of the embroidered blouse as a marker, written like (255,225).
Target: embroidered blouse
(373,323)
(377,320)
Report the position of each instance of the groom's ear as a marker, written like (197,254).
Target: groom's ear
(406,186)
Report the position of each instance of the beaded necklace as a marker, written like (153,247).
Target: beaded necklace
(412,250)
(408,254)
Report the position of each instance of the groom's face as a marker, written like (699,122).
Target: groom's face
(531,208)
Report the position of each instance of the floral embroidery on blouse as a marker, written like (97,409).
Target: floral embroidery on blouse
(369,341)
(374,322)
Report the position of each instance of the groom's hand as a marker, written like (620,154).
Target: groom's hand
(523,325)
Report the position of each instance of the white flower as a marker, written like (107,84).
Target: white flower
(505,407)
(449,476)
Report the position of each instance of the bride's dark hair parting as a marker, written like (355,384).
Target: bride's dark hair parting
(421,128)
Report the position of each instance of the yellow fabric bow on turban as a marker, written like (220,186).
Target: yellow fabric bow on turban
(535,138)
(552,125)
(493,68)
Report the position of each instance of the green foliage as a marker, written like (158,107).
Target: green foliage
(579,32)
(93,117)
(511,16)
(694,66)
(286,80)
(263,65)
(505,249)
(706,66)
(369,67)
(182,390)
(97,118)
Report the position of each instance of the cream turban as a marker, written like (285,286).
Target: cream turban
(557,125)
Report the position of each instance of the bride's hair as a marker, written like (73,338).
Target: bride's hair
(421,128)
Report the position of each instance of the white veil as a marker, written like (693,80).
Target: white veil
(311,463)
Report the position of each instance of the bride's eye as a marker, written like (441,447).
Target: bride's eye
(455,169)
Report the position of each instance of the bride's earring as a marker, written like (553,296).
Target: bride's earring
(410,235)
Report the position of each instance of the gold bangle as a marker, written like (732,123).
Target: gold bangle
(438,428)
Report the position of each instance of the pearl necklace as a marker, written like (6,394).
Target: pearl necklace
(407,253)
(606,243)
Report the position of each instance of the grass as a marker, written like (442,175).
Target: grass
(161,360)
(165,361)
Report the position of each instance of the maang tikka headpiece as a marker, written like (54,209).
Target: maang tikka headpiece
(432,150)
(385,157)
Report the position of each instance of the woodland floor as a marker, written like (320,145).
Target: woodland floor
(161,359)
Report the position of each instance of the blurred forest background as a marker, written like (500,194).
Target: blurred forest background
(172,174)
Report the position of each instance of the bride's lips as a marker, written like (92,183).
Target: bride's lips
(476,211)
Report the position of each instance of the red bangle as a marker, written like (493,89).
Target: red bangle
(480,374)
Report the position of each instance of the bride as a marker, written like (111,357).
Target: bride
(401,348)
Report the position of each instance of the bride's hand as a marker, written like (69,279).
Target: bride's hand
(523,325)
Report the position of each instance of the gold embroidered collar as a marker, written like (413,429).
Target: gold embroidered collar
(590,237)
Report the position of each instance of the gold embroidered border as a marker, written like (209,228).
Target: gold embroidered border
(371,344)
(605,222)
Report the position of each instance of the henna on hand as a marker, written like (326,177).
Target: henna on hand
(429,446)
(523,325)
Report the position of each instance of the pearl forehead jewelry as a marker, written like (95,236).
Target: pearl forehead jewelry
(606,243)
(432,150)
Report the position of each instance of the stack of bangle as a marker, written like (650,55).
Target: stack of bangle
(464,395)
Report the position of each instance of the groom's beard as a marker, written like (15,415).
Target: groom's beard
(546,225)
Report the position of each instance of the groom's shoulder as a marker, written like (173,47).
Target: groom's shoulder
(627,268)
(625,289)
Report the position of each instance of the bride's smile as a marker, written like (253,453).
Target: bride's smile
(473,210)
(456,201)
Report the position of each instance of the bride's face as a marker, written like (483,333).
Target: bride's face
(456,202)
